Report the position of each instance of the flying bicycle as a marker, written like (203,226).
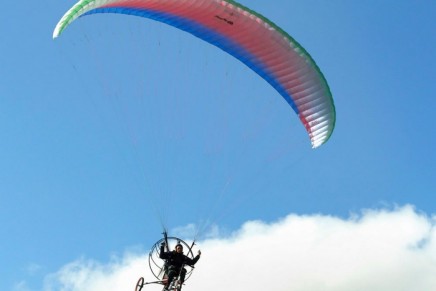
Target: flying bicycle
(161,264)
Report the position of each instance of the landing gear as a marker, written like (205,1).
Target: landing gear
(139,284)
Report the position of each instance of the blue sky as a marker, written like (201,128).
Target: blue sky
(123,121)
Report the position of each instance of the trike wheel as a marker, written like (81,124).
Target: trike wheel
(139,284)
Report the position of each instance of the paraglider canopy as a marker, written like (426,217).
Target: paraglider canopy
(248,36)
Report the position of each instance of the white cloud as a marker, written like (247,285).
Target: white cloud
(378,250)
